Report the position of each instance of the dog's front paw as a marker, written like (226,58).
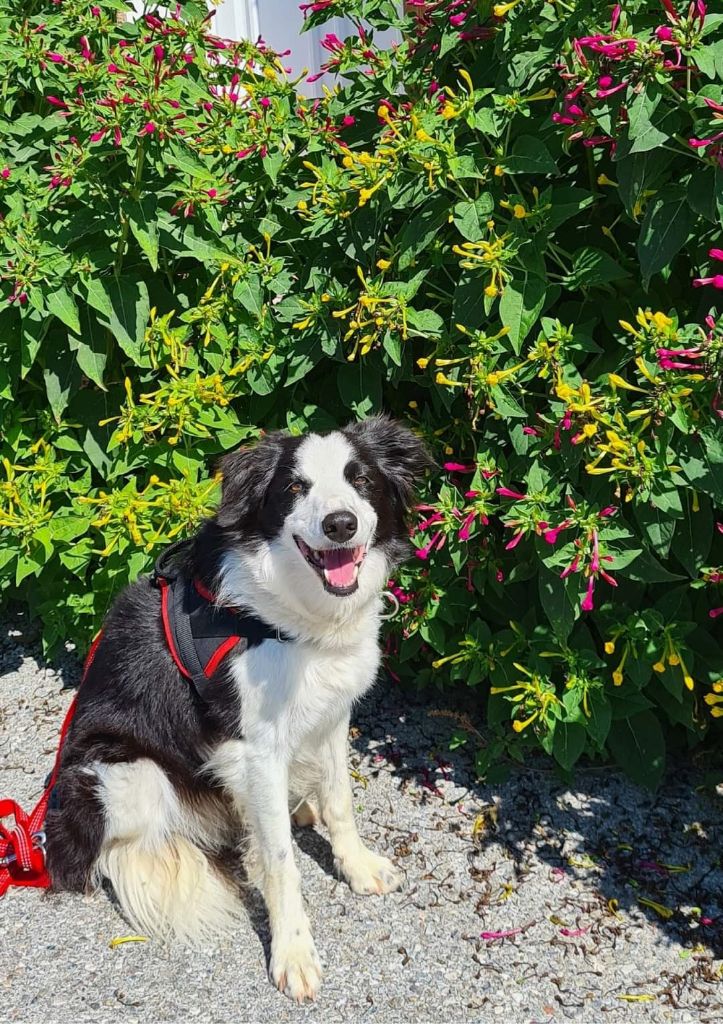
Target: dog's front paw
(367,872)
(295,968)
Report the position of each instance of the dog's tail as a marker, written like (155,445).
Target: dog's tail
(173,891)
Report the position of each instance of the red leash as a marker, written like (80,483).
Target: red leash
(22,847)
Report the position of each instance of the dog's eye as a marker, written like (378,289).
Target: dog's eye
(360,482)
(296,487)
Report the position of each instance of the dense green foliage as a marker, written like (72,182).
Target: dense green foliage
(498,230)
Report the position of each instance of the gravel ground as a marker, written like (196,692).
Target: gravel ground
(562,870)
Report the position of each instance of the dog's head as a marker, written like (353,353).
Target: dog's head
(325,513)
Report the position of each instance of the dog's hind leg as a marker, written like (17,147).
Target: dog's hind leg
(74,828)
(166,884)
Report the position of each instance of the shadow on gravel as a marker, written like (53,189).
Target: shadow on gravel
(21,639)
(656,855)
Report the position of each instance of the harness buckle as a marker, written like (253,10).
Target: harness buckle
(38,840)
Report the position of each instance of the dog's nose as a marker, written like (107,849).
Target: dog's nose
(340,526)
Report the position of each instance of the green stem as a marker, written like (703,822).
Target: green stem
(125,223)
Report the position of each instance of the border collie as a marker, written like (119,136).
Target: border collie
(156,783)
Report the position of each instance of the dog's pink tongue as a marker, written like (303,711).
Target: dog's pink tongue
(340,566)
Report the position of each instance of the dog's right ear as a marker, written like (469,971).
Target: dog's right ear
(247,475)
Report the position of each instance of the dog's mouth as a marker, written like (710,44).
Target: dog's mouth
(337,568)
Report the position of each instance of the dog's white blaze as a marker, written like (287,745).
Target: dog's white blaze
(322,461)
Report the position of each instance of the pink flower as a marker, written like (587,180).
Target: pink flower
(552,535)
(243,153)
(95,11)
(615,17)
(211,193)
(148,128)
(55,102)
(97,136)
(507,493)
(715,612)
(158,54)
(436,518)
(56,58)
(348,120)
(699,143)
(459,467)
(315,6)
(587,604)
(464,530)
(716,281)
(531,431)
(608,511)
(515,540)
(332,43)
(664,33)
(716,254)
(265,101)
(437,541)
(5,173)
(458,19)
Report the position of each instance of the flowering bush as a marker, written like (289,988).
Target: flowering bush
(506,229)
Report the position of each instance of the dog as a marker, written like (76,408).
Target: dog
(156,782)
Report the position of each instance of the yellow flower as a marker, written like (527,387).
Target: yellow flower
(519,211)
(492,291)
(423,362)
(384,264)
(617,677)
(659,667)
(603,179)
(610,647)
(500,10)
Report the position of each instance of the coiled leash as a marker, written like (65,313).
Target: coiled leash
(22,847)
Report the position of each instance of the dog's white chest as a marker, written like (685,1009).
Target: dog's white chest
(292,692)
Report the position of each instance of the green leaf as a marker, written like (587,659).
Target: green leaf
(638,746)
(144,228)
(641,130)
(598,724)
(420,230)
(250,293)
(530,155)
(521,304)
(125,307)
(559,599)
(664,230)
(62,304)
(592,266)
(568,743)
(61,378)
(694,533)
(471,217)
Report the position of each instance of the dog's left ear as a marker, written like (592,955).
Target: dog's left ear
(247,476)
(401,456)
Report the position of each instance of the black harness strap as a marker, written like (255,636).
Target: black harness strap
(200,633)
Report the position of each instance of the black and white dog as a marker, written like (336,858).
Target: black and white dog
(155,783)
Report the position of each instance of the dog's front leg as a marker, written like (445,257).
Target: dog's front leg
(366,872)
(294,966)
